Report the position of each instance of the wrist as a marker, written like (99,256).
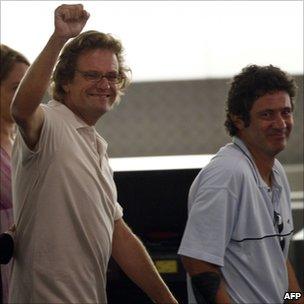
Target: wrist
(58,39)
(166,298)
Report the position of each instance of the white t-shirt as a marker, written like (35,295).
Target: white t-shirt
(231,224)
(65,205)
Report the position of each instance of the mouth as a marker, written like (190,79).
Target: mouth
(279,136)
(99,95)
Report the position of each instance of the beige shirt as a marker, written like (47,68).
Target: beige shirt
(65,205)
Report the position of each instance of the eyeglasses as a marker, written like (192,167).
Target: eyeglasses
(94,76)
(278,221)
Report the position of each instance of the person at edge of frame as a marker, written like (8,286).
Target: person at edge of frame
(13,68)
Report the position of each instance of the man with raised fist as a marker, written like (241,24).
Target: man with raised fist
(68,220)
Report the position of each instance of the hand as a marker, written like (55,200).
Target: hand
(70,20)
(12,228)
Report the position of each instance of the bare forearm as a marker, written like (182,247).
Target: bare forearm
(208,287)
(134,260)
(222,296)
(29,116)
(36,81)
(145,275)
(293,282)
(206,280)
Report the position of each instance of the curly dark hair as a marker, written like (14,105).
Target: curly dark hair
(66,64)
(250,84)
(9,57)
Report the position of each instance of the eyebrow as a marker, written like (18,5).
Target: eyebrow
(95,71)
(275,110)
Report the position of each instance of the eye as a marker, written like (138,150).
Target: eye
(266,114)
(286,112)
(91,75)
(113,77)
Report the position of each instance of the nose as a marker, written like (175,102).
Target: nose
(103,83)
(279,122)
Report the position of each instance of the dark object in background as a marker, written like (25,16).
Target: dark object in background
(155,207)
(6,253)
(6,248)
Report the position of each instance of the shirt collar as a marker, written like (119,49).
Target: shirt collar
(74,120)
(237,141)
(70,116)
(241,145)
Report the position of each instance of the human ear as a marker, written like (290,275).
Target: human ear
(238,121)
(66,88)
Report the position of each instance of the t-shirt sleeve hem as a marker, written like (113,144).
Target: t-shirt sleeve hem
(27,151)
(201,255)
(118,213)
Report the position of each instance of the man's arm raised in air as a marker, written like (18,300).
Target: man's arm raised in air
(25,108)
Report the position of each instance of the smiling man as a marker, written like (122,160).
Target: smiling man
(235,244)
(66,211)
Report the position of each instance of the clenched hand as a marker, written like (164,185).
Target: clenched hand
(70,20)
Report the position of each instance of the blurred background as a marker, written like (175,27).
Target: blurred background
(182,55)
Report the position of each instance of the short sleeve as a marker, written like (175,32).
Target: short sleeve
(48,138)
(210,225)
(118,212)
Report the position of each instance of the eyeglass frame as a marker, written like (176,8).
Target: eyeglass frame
(278,221)
(100,76)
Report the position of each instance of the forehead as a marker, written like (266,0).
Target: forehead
(273,101)
(97,60)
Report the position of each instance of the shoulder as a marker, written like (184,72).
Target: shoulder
(228,163)
(52,108)
(280,173)
(228,170)
(278,167)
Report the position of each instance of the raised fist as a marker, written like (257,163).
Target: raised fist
(70,20)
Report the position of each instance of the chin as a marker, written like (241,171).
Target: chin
(279,142)
(277,149)
(103,110)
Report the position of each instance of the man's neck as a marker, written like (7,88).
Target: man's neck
(89,120)
(265,169)
(263,160)
(264,164)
